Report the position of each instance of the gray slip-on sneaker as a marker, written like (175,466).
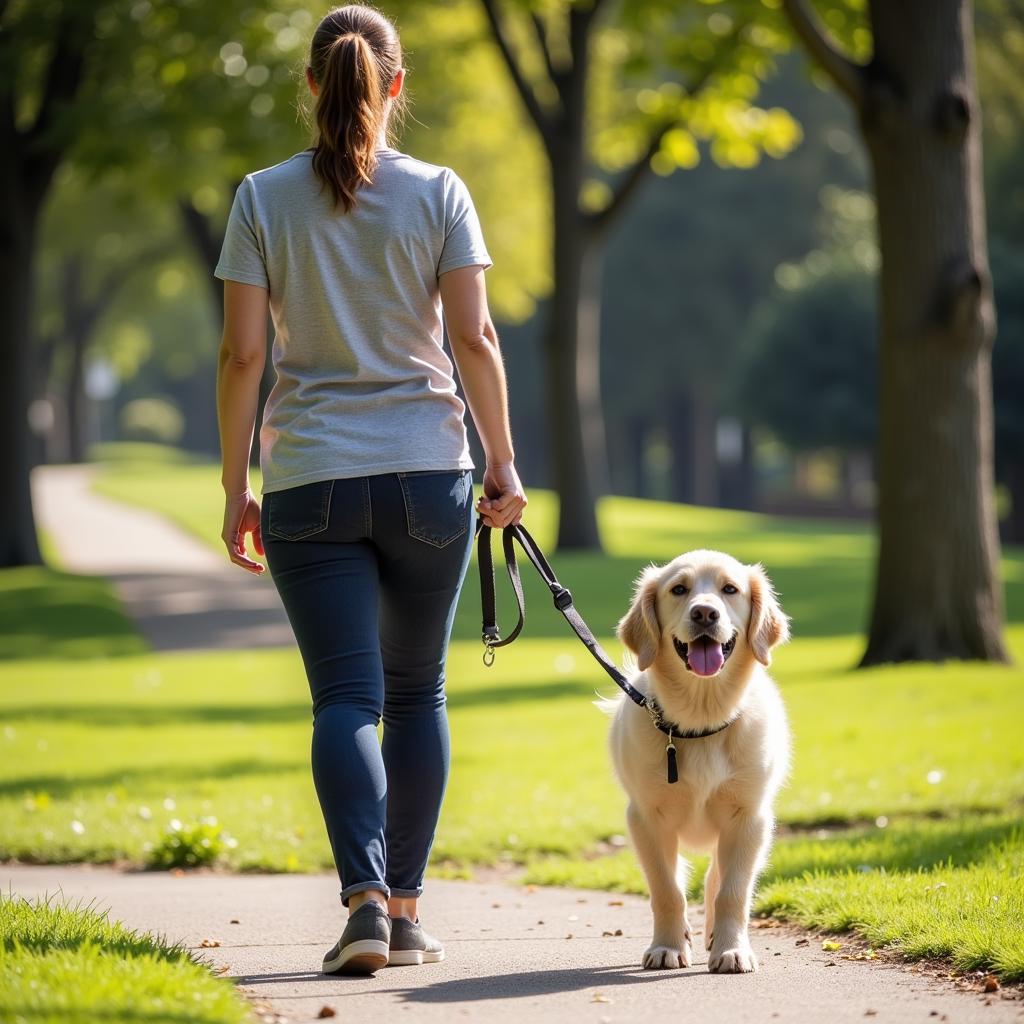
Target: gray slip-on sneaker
(410,944)
(363,946)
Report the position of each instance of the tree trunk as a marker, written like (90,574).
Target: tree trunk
(571,350)
(679,423)
(18,542)
(937,593)
(636,430)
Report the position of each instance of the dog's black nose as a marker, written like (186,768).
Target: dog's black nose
(704,614)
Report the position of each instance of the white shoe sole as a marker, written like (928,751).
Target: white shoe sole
(413,957)
(362,957)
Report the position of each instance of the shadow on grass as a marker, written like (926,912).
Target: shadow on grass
(134,716)
(52,614)
(64,785)
(906,846)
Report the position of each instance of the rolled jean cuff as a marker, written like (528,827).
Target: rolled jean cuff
(407,894)
(351,890)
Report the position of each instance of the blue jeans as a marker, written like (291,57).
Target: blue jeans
(369,570)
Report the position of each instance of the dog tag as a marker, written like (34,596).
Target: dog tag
(673,768)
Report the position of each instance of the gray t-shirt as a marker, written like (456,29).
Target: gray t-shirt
(364,384)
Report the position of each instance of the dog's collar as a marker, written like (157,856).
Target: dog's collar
(674,732)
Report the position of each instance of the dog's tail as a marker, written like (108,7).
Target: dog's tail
(607,705)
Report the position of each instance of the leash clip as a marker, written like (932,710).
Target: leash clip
(562,598)
(488,638)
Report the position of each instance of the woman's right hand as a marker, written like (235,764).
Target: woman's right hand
(503,499)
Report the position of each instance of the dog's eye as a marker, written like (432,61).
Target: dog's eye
(679,590)
(729,589)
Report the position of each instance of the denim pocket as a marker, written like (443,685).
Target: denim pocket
(438,504)
(298,512)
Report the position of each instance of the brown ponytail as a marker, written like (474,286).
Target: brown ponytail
(354,58)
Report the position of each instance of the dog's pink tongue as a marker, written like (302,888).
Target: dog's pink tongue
(705,656)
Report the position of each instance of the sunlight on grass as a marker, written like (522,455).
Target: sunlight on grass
(63,963)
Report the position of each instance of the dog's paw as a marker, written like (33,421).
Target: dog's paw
(660,958)
(738,960)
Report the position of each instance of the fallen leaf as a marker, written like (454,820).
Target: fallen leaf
(234,920)
(991,983)
(616,903)
(870,1013)
(209,944)
(569,936)
(327,1011)
(618,931)
(830,963)
(605,935)
(830,946)
(803,942)
(223,969)
(599,998)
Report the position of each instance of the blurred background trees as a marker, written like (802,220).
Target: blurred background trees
(682,317)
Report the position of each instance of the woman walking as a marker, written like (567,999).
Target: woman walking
(367,511)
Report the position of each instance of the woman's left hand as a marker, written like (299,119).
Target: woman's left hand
(242,516)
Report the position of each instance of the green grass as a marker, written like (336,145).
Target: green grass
(54,614)
(100,757)
(65,964)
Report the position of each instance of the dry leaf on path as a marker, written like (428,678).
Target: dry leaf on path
(209,944)
(327,1011)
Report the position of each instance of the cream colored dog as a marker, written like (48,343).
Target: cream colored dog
(702,629)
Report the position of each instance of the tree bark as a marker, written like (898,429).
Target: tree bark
(572,390)
(18,542)
(937,592)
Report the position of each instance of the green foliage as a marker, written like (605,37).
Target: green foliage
(190,846)
(152,419)
(64,962)
(808,368)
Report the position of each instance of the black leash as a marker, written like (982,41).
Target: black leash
(563,602)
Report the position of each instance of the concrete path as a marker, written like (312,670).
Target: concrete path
(182,594)
(514,954)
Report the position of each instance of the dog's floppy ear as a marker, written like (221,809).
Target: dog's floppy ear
(639,628)
(768,626)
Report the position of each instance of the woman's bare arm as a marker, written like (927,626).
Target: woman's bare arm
(477,354)
(243,351)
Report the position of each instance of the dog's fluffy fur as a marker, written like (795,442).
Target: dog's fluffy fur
(727,782)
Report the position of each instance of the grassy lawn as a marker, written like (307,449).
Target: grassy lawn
(902,819)
(64,964)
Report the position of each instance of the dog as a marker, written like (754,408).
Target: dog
(702,629)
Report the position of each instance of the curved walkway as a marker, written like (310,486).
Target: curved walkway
(181,594)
